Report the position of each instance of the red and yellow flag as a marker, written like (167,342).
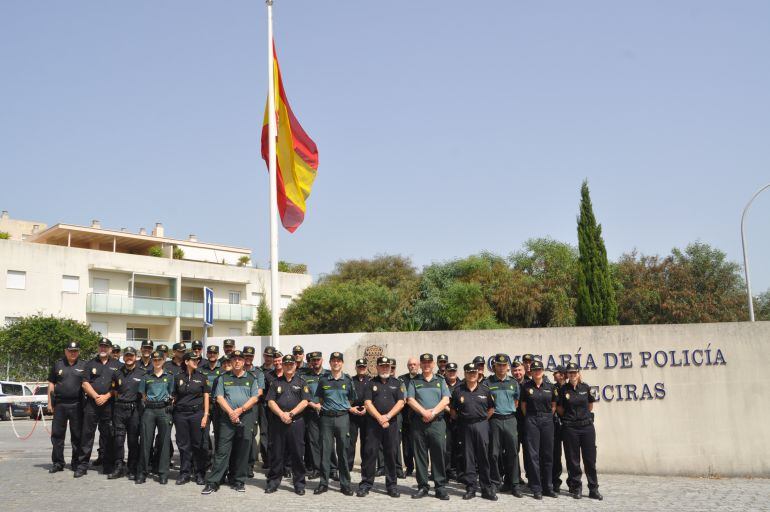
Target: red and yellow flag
(296,156)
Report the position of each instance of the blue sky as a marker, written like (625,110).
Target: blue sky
(444,127)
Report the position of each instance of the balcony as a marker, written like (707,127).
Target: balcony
(231,312)
(125,305)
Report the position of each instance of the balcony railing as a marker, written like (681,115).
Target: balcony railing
(143,306)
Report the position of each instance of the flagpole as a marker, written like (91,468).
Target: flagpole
(275,289)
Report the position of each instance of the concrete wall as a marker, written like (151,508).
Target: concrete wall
(673,399)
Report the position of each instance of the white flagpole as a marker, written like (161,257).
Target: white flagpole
(275,289)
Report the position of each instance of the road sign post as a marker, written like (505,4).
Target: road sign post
(208,313)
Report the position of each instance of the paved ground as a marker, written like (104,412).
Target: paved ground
(26,485)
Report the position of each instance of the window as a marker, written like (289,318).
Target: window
(12,389)
(142,291)
(137,334)
(101,285)
(234,331)
(285,301)
(11,319)
(70,284)
(186,335)
(100,327)
(235,297)
(16,280)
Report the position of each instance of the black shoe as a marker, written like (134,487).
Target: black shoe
(79,473)
(490,495)
(162,480)
(320,489)
(506,487)
(239,487)
(347,491)
(594,495)
(380,472)
(557,489)
(575,493)
(550,494)
(451,475)
(313,475)
(97,462)
(56,468)
(393,493)
(362,493)
(271,490)
(200,480)
(335,475)
(469,495)
(183,479)
(209,488)
(250,474)
(421,493)
(400,474)
(442,495)
(517,492)
(299,492)
(140,480)
(537,496)
(118,473)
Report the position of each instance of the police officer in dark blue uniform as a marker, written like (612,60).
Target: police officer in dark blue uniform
(65,392)
(211,369)
(287,397)
(312,414)
(358,418)
(383,398)
(472,405)
(454,443)
(145,360)
(538,403)
(191,416)
(559,378)
(126,415)
(97,411)
(576,404)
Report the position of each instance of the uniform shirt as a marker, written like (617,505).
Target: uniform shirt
(575,401)
(287,394)
(157,389)
(146,367)
(311,380)
(428,394)
(505,393)
(384,394)
(189,389)
(471,405)
(336,394)
(270,377)
(451,387)
(359,385)
(259,375)
(100,375)
(127,383)
(173,368)
(236,390)
(538,399)
(67,379)
(210,373)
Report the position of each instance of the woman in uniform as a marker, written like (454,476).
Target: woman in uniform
(156,388)
(191,414)
(575,406)
(538,404)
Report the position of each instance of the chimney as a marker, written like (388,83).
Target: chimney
(192,238)
(4,215)
(158,231)
(35,229)
(142,231)
(96,224)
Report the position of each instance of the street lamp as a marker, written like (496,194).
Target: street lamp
(745,256)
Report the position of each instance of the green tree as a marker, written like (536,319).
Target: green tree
(32,344)
(595,288)
(178,253)
(263,326)
(243,261)
(4,235)
(762,306)
(292,268)
(155,251)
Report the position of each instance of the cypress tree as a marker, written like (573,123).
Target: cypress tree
(596,303)
(264,324)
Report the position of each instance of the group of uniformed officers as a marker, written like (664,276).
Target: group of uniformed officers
(304,421)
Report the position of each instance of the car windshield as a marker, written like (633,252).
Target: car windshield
(41,390)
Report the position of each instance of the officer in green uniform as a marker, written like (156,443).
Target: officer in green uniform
(156,388)
(428,397)
(503,429)
(299,357)
(211,370)
(228,346)
(336,394)
(237,392)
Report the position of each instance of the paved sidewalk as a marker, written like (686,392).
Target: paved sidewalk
(27,486)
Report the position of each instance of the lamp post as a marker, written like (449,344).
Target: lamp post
(745,256)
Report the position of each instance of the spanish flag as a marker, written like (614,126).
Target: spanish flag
(296,156)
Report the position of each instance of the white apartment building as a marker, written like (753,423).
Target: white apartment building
(107,279)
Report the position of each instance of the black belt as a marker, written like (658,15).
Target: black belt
(577,423)
(471,421)
(126,403)
(155,405)
(333,414)
(59,400)
(503,416)
(187,408)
